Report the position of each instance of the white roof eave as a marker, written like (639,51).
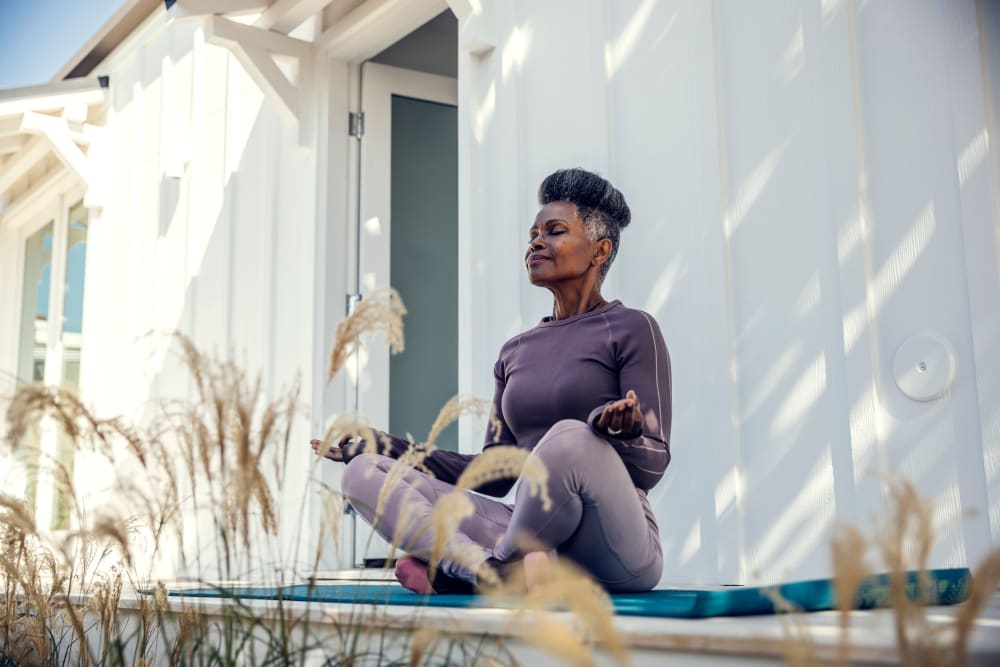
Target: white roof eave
(50,97)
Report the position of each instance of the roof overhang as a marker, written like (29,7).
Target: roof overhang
(46,128)
(347,30)
(114,31)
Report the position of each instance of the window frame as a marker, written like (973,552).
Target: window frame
(52,205)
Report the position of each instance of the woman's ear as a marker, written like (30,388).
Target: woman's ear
(601,252)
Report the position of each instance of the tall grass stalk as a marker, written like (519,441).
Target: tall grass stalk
(222,460)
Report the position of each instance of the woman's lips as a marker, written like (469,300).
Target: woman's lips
(536,259)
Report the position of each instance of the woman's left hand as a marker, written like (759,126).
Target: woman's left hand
(332,452)
(621,419)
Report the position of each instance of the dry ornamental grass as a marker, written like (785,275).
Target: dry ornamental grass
(221,459)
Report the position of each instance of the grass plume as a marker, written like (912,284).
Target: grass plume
(458,406)
(565,587)
(503,462)
(903,543)
(380,311)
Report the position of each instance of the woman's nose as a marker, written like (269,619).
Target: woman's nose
(535,244)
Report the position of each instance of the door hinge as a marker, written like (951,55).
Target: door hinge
(351,303)
(356,124)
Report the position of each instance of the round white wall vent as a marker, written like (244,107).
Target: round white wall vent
(924,367)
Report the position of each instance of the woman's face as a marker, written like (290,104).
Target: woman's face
(558,247)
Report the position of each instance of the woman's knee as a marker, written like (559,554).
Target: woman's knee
(569,446)
(359,474)
(566,437)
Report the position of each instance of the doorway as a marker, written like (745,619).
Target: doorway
(408,227)
(407,234)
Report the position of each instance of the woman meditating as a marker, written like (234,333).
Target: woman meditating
(587,391)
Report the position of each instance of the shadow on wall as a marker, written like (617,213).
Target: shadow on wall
(784,288)
(222,253)
(783,283)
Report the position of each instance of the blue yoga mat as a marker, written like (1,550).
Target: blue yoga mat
(950,586)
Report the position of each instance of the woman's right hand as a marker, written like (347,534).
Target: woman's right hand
(333,452)
(621,419)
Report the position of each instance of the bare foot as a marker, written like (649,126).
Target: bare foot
(412,574)
(536,570)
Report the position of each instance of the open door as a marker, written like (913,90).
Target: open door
(408,239)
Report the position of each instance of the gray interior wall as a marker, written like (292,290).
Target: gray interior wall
(432,48)
(424,264)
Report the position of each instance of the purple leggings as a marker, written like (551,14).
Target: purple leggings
(598,518)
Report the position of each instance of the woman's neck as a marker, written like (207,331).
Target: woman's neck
(569,304)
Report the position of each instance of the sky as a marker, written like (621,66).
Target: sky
(38,37)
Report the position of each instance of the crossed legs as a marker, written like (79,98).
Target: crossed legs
(597,519)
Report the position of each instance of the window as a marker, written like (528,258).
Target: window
(49,350)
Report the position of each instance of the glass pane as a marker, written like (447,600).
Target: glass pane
(35,305)
(32,345)
(76,259)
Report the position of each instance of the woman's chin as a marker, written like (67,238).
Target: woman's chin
(536,277)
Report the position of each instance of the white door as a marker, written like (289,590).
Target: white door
(408,228)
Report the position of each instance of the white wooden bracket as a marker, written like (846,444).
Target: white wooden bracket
(182,8)
(255,48)
(65,138)
(286,15)
(477,35)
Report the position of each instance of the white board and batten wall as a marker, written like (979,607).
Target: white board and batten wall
(812,184)
(206,227)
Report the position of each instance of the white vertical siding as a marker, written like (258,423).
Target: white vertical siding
(217,252)
(672,265)
(782,261)
(811,185)
(982,236)
(209,229)
(912,108)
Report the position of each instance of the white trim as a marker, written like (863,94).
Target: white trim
(22,162)
(220,6)
(52,96)
(375,24)
(287,15)
(11,144)
(10,126)
(48,444)
(464,8)
(40,123)
(35,199)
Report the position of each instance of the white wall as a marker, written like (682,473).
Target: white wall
(811,184)
(208,227)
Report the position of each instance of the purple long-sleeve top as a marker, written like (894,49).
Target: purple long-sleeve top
(571,369)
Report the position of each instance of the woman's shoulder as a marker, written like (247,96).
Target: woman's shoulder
(631,319)
(509,346)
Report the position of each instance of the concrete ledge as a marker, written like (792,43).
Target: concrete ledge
(652,641)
